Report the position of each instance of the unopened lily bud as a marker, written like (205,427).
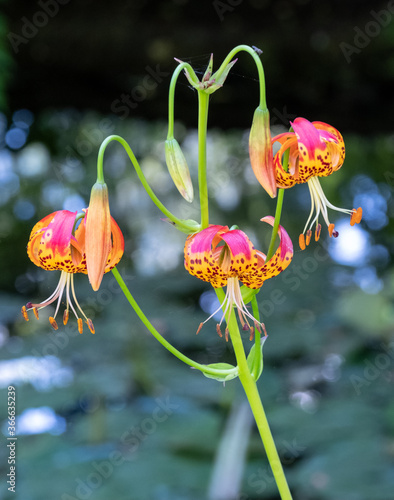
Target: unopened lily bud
(98,242)
(178,169)
(260,151)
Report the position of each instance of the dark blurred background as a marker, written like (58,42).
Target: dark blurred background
(114,415)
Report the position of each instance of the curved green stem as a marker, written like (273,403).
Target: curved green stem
(203,103)
(249,384)
(205,369)
(144,182)
(171,95)
(259,65)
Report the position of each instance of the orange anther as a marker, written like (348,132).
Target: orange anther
(257,326)
(90,325)
(251,336)
(80,325)
(301,241)
(317,232)
(65,317)
(24,313)
(53,323)
(308,237)
(331,229)
(35,310)
(356,216)
(218,330)
(226,334)
(199,328)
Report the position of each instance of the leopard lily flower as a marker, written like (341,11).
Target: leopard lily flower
(315,149)
(55,244)
(226,257)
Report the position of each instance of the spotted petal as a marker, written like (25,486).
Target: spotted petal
(199,255)
(278,262)
(50,240)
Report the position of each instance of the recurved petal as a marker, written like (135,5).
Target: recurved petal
(284,178)
(278,262)
(199,256)
(309,139)
(49,244)
(243,254)
(33,245)
(335,143)
(117,250)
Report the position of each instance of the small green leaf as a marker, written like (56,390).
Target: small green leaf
(255,360)
(248,293)
(225,372)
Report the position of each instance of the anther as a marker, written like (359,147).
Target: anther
(24,313)
(53,323)
(335,234)
(317,232)
(356,216)
(80,325)
(199,328)
(245,327)
(257,326)
(251,336)
(65,317)
(301,241)
(226,334)
(308,237)
(90,325)
(218,330)
(331,230)
(35,311)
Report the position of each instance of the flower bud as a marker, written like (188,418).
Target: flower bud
(260,151)
(98,234)
(178,169)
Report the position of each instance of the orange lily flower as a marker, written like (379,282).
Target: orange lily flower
(225,257)
(55,244)
(316,149)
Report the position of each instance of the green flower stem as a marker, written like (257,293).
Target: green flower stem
(205,369)
(278,213)
(144,182)
(203,102)
(171,95)
(259,65)
(252,393)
